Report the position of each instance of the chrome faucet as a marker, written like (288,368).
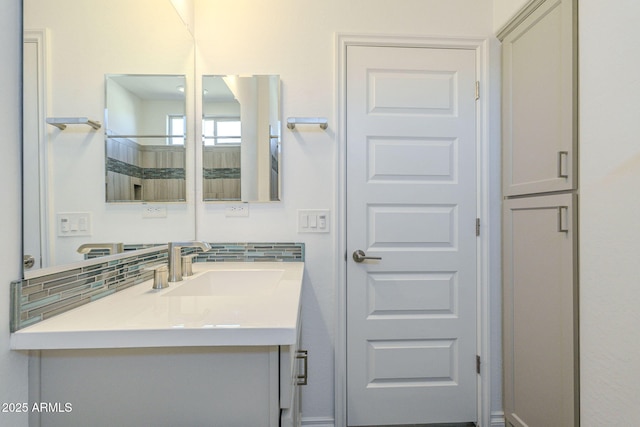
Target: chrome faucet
(175,262)
(113,248)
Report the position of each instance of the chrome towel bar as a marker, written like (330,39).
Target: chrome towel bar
(293,121)
(62,122)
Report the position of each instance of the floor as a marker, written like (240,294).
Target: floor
(430,425)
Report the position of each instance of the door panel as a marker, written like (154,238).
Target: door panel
(411,92)
(411,159)
(412,295)
(539,311)
(539,115)
(411,191)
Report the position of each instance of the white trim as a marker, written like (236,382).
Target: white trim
(497,419)
(40,38)
(486,158)
(318,422)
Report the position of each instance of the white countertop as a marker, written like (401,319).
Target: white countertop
(142,317)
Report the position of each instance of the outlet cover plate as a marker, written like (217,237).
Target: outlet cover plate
(239,210)
(154,211)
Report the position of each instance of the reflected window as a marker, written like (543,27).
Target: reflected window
(221,130)
(175,130)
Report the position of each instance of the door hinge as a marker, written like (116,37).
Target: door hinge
(477,90)
(478,364)
(477,226)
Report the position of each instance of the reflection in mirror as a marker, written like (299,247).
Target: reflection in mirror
(70,45)
(241,138)
(145,138)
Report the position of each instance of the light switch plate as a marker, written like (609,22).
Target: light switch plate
(314,220)
(71,224)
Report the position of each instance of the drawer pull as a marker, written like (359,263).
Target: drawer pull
(304,356)
(563,164)
(563,219)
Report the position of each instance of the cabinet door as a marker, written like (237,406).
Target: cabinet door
(540,311)
(539,99)
(290,395)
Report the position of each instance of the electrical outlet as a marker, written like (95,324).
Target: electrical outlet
(237,210)
(152,211)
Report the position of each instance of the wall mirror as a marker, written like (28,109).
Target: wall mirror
(241,138)
(145,126)
(69,47)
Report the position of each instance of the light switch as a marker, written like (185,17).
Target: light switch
(70,224)
(82,223)
(322,221)
(313,221)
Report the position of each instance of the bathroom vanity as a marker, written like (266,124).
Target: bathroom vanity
(220,348)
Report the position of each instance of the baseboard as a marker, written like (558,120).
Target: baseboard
(318,422)
(497,419)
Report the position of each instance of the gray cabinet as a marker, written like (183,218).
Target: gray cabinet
(539,102)
(540,309)
(539,152)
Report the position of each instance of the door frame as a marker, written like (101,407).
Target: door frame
(488,194)
(40,37)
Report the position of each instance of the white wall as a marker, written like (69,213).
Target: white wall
(609,212)
(123,109)
(504,10)
(13,365)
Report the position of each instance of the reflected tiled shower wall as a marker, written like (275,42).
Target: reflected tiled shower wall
(221,173)
(42,297)
(144,172)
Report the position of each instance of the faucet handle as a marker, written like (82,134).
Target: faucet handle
(187,265)
(160,276)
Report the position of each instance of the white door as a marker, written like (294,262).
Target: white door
(411,200)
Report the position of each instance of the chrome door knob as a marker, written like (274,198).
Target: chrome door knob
(28,261)
(359,256)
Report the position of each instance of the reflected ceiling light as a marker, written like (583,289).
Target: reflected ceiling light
(180,88)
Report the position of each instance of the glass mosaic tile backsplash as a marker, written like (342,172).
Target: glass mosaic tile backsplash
(39,298)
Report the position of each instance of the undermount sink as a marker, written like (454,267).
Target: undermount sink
(229,283)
